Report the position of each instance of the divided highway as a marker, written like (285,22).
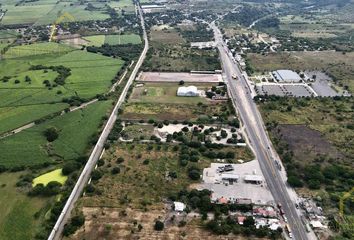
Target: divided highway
(241,96)
(86,172)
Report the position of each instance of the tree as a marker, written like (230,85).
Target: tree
(159,226)
(69,167)
(96,175)
(194,174)
(249,221)
(51,134)
(294,181)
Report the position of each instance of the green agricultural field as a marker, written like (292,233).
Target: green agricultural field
(91,74)
(96,40)
(37,49)
(30,147)
(17,221)
(55,175)
(99,40)
(122,5)
(122,39)
(13,117)
(44,12)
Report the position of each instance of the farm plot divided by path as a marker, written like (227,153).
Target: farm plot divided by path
(23,100)
(30,146)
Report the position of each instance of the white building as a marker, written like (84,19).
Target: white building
(286,76)
(190,91)
(179,206)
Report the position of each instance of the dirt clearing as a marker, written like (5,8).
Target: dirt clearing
(176,77)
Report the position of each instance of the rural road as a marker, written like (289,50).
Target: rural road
(240,94)
(86,172)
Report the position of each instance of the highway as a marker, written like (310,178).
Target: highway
(241,96)
(86,172)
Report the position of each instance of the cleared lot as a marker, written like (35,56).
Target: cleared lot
(176,77)
(257,193)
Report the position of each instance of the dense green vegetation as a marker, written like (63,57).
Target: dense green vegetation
(75,131)
(42,82)
(314,138)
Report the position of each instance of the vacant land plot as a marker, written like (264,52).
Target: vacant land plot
(165,93)
(76,129)
(55,175)
(176,77)
(332,119)
(99,40)
(142,185)
(160,101)
(169,53)
(143,179)
(337,65)
(306,143)
(17,221)
(122,226)
(166,35)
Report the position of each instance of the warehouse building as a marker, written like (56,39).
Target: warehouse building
(286,76)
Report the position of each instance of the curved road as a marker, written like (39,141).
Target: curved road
(86,172)
(241,97)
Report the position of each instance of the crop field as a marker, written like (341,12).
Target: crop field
(160,102)
(30,146)
(44,12)
(55,175)
(337,65)
(24,102)
(37,49)
(122,5)
(99,40)
(17,221)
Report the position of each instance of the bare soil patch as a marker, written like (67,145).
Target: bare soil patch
(176,77)
(305,142)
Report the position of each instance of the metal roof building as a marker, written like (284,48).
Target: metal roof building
(286,76)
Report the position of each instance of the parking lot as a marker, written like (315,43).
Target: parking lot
(293,90)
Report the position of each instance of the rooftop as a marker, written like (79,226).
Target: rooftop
(286,76)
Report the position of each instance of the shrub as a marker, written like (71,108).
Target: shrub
(115,170)
(51,134)
(159,226)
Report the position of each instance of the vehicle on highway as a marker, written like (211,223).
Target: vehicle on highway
(234,76)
